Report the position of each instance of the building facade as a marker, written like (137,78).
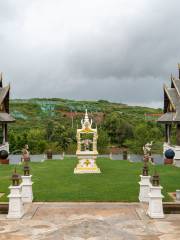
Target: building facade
(5,117)
(171,116)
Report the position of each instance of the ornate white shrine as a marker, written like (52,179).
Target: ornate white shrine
(87,147)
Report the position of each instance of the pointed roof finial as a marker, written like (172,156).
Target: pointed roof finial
(86,116)
(171,76)
(179,69)
(1,79)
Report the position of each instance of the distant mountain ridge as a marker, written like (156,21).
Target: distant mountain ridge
(81,105)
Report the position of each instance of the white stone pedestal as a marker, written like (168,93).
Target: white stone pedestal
(155,209)
(27,193)
(144,188)
(15,203)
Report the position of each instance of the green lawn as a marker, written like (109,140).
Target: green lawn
(54,181)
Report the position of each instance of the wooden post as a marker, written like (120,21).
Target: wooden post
(6,132)
(169,133)
(166,133)
(3,132)
(178,135)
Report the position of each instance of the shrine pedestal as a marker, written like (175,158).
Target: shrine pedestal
(16,209)
(86,166)
(155,209)
(27,193)
(87,163)
(144,188)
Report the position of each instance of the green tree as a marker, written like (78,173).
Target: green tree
(62,136)
(117,128)
(143,133)
(49,130)
(36,140)
(103,141)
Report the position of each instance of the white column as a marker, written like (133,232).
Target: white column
(78,142)
(95,142)
(27,193)
(144,188)
(16,209)
(168,133)
(155,209)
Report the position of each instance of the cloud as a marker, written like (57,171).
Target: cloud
(118,50)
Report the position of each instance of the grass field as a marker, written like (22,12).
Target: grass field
(54,181)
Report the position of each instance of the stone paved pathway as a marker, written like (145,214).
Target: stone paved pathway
(89,221)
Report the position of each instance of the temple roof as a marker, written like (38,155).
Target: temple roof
(177,85)
(167,117)
(173,96)
(3,93)
(5,117)
(171,102)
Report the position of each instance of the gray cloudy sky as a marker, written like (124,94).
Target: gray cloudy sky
(119,50)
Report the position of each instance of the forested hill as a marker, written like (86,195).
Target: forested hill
(52,123)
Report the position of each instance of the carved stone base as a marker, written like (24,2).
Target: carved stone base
(86,166)
(144,188)
(16,209)
(155,209)
(27,193)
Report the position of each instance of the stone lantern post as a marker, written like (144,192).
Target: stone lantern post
(144,183)
(27,193)
(15,200)
(155,209)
